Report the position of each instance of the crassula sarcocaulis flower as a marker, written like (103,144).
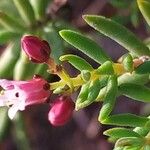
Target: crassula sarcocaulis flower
(19,94)
(37,50)
(61,111)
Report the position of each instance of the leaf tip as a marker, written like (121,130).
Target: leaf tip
(61,58)
(61,32)
(87,17)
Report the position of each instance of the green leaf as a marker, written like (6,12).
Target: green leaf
(106,68)
(134,147)
(86,45)
(136,92)
(109,99)
(26,11)
(24,69)
(130,141)
(20,133)
(144,6)
(39,7)
(77,62)
(126,120)
(41,69)
(118,148)
(85,75)
(143,131)
(118,33)
(82,95)
(8,60)
(10,23)
(123,20)
(8,6)
(120,132)
(126,78)
(135,18)
(56,42)
(128,62)
(146,147)
(120,4)
(143,68)
(5,122)
(133,78)
(93,91)
(6,36)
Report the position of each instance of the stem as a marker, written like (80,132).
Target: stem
(76,81)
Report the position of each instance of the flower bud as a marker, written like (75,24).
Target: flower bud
(36,49)
(61,111)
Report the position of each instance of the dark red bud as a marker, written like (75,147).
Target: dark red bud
(61,111)
(36,49)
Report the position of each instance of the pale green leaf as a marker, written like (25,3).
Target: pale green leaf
(86,45)
(136,92)
(26,11)
(121,132)
(126,120)
(77,62)
(144,6)
(118,33)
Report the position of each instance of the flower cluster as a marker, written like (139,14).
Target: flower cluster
(19,94)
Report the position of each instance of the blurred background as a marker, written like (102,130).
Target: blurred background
(31,129)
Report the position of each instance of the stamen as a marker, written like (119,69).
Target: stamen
(46,86)
(36,76)
(17,94)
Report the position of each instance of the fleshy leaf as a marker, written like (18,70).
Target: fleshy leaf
(118,33)
(85,75)
(24,69)
(56,42)
(5,122)
(109,99)
(26,11)
(77,62)
(106,68)
(82,95)
(6,36)
(8,60)
(133,78)
(143,68)
(143,131)
(39,7)
(121,132)
(126,78)
(128,62)
(126,120)
(130,141)
(93,91)
(86,45)
(10,23)
(120,4)
(136,92)
(144,6)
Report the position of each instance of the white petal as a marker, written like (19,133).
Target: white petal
(12,111)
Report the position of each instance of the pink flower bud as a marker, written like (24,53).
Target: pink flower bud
(37,50)
(61,111)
